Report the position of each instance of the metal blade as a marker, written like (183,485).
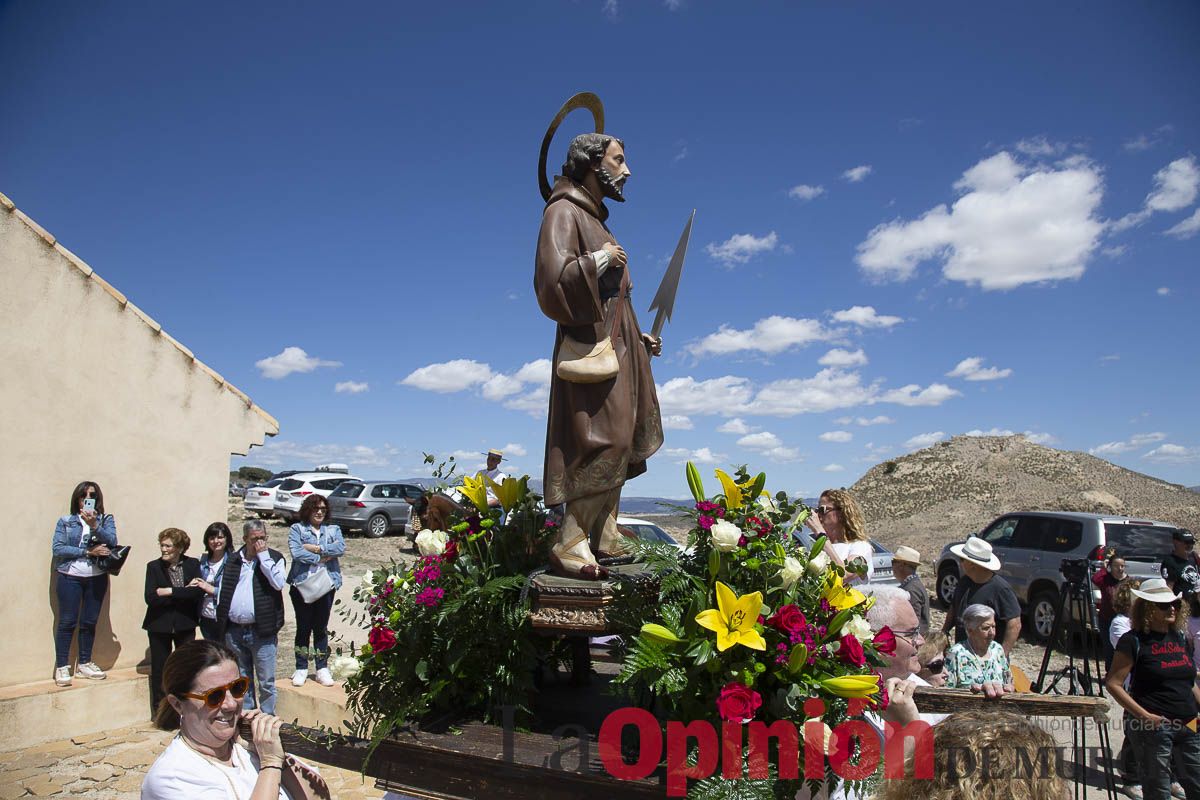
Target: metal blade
(664,298)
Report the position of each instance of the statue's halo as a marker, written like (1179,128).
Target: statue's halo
(586,100)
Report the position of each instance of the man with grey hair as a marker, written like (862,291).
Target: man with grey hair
(250,611)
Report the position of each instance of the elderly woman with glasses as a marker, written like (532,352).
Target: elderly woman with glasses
(979,663)
(203,702)
(839,518)
(1162,697)
(315,546)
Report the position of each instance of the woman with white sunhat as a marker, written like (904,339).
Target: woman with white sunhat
(979,583)
(1162,697)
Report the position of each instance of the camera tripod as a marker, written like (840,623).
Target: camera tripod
(1076,600)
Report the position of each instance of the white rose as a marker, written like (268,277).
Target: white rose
(791,571)
(819,565)
(431,543)
(344,667)
(858,627)
(368,580)
(725,535)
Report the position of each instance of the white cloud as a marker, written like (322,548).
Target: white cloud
(701,456)
(498,387)
(741,247)
(735,425)
(1186,229)
(879,420)
(1110,357)
(773,334)
(833,468)
(534,372)
(1162,291)
(289,360)
(350,387)
(514,449)
(299,455)
(836,436)
(857,174)
(448,376)
(1175,188)
(673,5)
(972,369)
(1040,146)
(1173,454)
(922,440)
(677,422)
(837,357)
(1132,443)
(1143,142)
(533,402)
(806,192)
(769,445)
(828,390)
(913,395)
(1012,225)
(1035,438)
(610,9)
(865,317)
(715,396)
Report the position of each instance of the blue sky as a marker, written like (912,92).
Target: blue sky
(913,220)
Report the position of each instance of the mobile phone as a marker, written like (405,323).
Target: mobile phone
(89,504)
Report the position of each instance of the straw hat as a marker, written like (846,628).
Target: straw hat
(907,555)
(494,452)
(1155,590)
(977,551)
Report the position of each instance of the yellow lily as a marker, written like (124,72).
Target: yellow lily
(734,619)
(852,685)
(660,632)
(475,490)
(839,596)
(510,492)
(733,492)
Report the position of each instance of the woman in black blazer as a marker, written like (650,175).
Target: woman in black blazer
(173,607)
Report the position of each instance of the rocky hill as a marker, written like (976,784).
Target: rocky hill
(953,488)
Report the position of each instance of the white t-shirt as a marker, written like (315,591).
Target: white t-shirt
(181,773)
(850,550)
(83,567)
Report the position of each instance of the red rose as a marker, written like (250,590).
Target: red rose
(851,651)
(738,702)
(788,619)
(885,641)
(381,639)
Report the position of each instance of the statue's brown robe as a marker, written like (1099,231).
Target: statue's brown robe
(598,435)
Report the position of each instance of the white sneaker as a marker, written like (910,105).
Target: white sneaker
(62,676)
(324,677)
(299,677)
(88,669)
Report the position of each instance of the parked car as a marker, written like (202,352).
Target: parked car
(647,531)
(1032,545)
(291,493)
(260,500)
(237,490)
(881,558)
(374,507)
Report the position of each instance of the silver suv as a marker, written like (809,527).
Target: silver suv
(374,507)
(1032,545)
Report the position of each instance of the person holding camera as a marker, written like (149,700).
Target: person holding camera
(172,604)
(81,537)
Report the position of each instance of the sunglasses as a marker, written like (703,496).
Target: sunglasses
(1175,604)
(823,510)
(935,667)
(214,697)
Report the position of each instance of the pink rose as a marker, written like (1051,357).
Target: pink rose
(738,702)
(851,651)
(788,619)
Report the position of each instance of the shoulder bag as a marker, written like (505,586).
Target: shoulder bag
(584,362)
(316,585)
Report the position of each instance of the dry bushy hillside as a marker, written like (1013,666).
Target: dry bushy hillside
(946,491)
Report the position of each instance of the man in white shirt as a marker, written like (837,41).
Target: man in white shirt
(493,471)
(250,611)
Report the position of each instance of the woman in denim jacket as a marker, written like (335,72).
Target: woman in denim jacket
(80,584)
(314,544)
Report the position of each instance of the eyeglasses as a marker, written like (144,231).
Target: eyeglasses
(909,635)
(935,667)
(214,697)
(823,510)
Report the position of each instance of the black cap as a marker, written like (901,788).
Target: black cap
(1184,535)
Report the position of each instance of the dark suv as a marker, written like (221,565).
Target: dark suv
(374,507)
(1032,545)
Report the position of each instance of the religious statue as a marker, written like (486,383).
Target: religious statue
(604,420)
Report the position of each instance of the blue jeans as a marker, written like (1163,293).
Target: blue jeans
(256,660)
(1158,749)
(79,601)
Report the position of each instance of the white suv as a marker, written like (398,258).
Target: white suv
(261,499)
(294,488)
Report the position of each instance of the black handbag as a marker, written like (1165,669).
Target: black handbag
(116,558)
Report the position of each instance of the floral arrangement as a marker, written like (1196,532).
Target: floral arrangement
(428,651)
(749,624)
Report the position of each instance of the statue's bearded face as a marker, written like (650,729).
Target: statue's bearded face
(613,172)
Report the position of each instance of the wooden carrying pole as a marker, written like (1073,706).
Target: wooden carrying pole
(948,701)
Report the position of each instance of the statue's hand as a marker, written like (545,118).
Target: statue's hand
(653,344)
(616,255)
